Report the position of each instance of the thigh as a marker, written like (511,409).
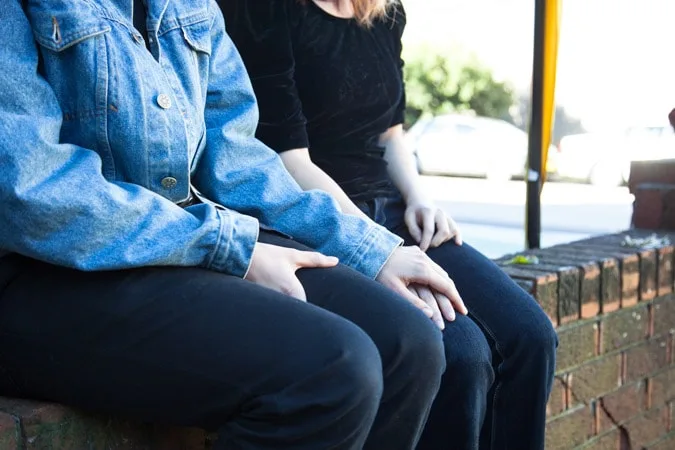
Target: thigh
(160,343)
(393,323)
(503,309)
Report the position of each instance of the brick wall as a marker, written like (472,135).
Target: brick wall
(653,184)
(614,309)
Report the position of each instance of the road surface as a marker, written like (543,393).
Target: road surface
(492,215)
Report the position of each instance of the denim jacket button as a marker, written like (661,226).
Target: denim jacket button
(169,182)
(164,101)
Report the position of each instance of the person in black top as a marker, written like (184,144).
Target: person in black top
(328,78)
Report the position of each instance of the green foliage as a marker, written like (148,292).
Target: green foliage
(439,84)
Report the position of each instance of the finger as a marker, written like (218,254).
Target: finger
(313,259)
(445,306)
(454,229)
(410,219)
(428,227)
(294,289)
(414,299)
(425,294)
(443,232)
(444,286)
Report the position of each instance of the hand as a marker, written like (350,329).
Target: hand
(439,304)
(274,267)
(429,225)
(409,265)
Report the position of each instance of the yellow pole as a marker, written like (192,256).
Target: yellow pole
(551,38)
(546,33)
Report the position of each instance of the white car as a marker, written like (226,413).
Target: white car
(455,144)
(603,159)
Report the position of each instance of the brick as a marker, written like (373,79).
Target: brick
(649,259)
(654,206)
(648,274)
(174,438)
(610,285)
(641,271)
(630,279)
(648,428)
(646,359)
(595,379)
(51,426)
(569,430)
(668,443)
(544,288)
(665,271)
(576,345)
(10,433)
(621,405)
(627,259)
(619,272)
(568,287)
(668,218)
(654,171)
(608,441)
(648,207)
(589,274)
(623,328)
(662,387)
(557,402)
(663,311)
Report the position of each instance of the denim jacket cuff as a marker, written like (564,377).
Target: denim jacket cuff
(237,240)
(374,251)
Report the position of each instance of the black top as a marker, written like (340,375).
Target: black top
(140,19)
(325,83)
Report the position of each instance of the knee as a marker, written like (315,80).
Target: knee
(535,344)
(419,347)
(468,355)
(541,338)
(353,377)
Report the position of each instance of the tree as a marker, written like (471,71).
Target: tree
(437,84)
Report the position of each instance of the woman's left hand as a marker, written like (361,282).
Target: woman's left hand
(429,225)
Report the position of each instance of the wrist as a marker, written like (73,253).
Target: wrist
(414,197)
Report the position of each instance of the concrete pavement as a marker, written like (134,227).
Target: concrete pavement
(492,215)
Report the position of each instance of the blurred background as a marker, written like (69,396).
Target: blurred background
(468,73)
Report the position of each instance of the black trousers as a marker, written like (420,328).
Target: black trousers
(355,367)
(500,358)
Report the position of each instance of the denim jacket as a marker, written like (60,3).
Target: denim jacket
(101,140)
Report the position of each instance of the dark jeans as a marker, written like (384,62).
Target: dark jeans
(500,359)
(355,367)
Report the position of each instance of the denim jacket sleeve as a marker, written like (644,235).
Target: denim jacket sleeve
(56,206)
(250,177)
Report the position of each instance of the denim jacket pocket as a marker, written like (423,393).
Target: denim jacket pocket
(76,62)
(58,29)
(198,36)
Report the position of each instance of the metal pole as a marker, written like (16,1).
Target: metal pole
(534,178)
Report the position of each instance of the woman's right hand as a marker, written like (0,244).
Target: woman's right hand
(409,267)
(274,267)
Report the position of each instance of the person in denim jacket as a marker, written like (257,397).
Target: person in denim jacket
(134,279)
